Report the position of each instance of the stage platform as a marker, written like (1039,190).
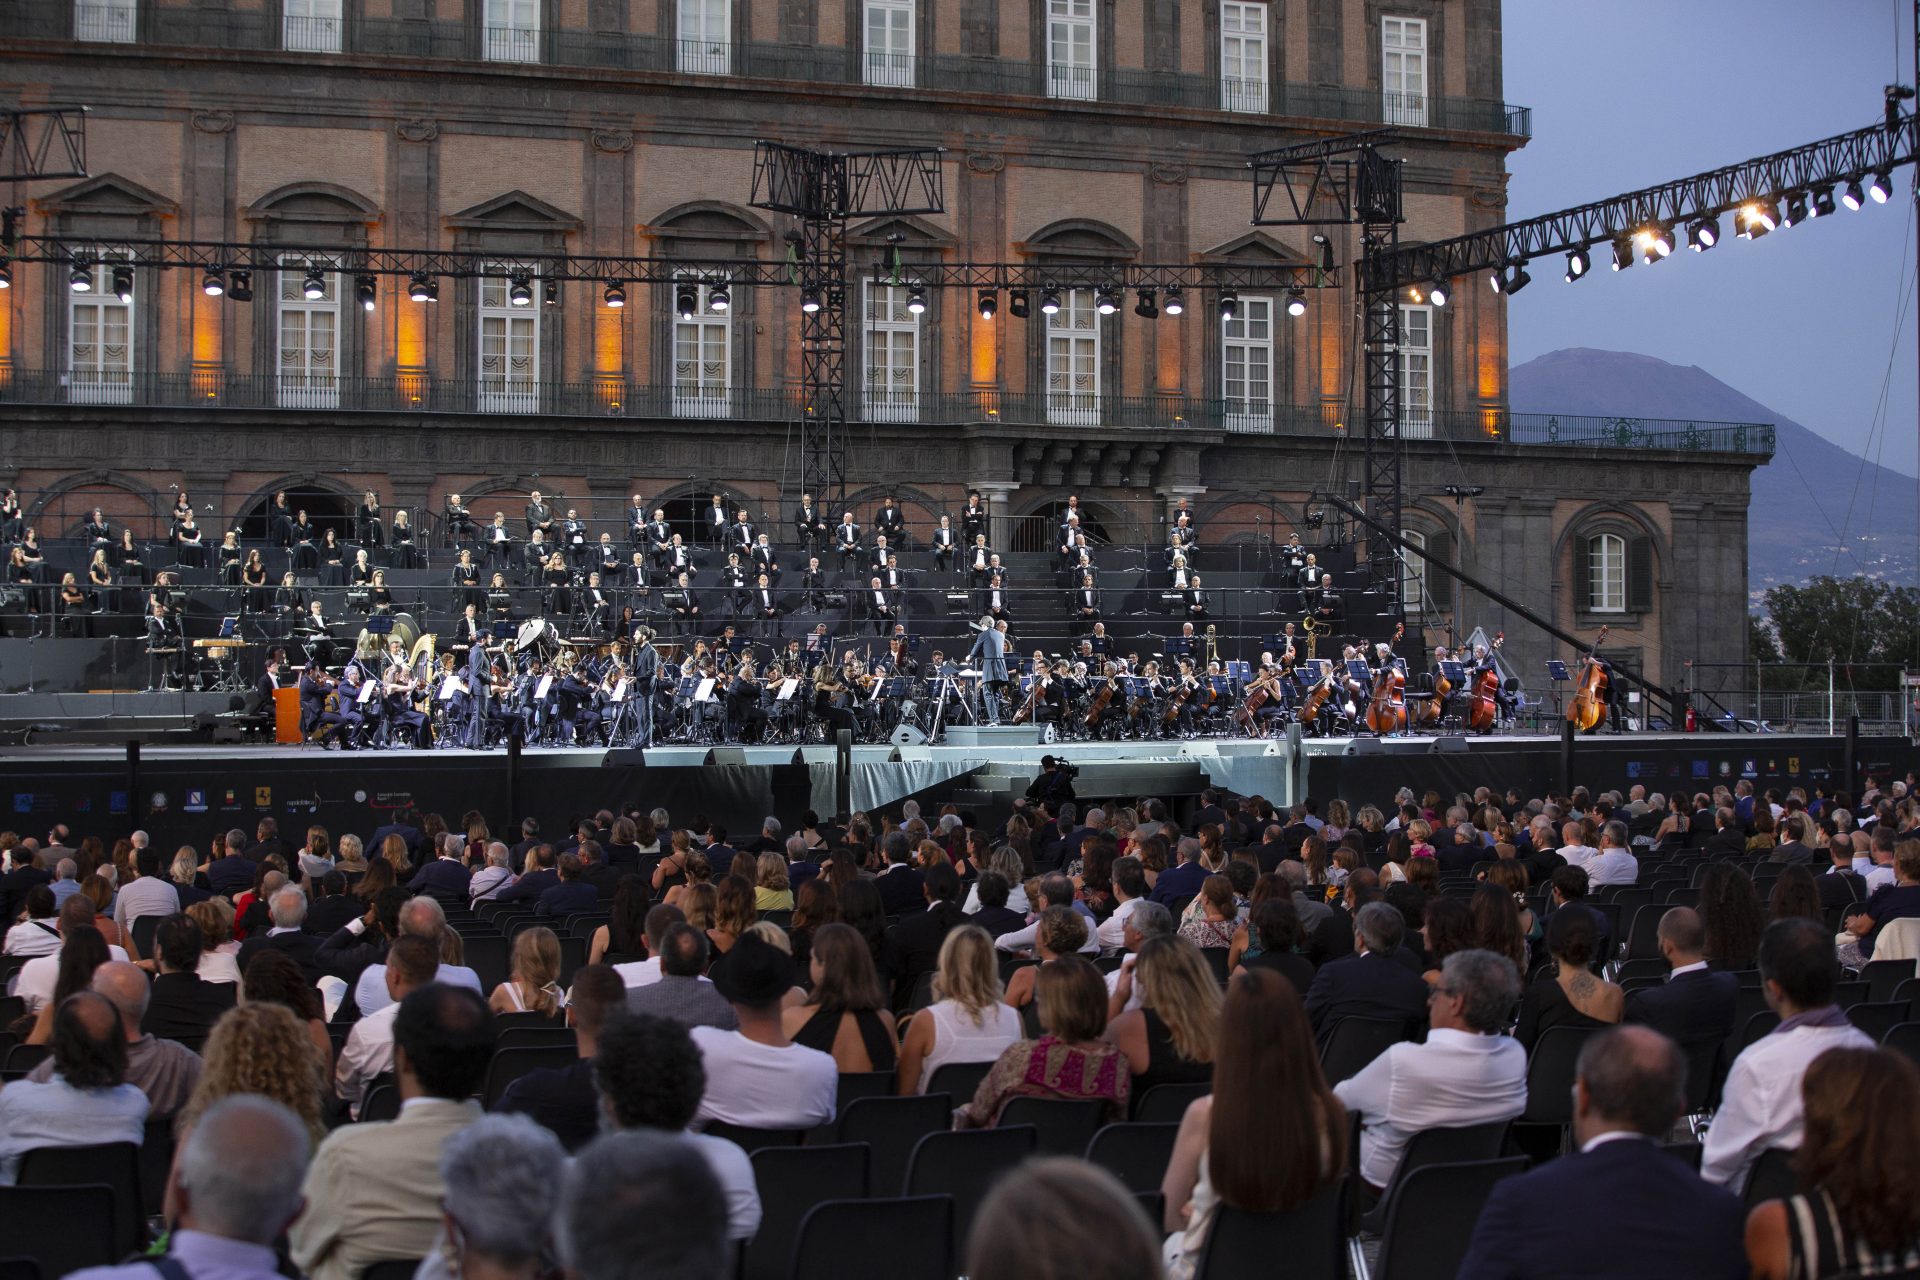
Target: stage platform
(182,793)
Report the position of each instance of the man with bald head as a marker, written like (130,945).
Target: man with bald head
(1658,1218)
(165,1070)
(1695,1005)
(82,1097)
(233,1191)
(421,917)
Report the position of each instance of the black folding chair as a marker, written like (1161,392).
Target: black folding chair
(1884,978)
(1550,1072)
(1772,1177)
(876,1240)
(792,1180)
(1246,1246)
(1066,1125)
(959,1080)
(965,1164)
(892,1127)
(1878,1019)
(1904,1038)
(752,1140)
(63,1228)
(1136,1153)
(1167,1103)
(509,1065)
(115,1165)
(391,1269)
(1465,1144)
(1432,1221)
(1355,1042)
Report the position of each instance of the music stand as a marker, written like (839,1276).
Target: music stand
(1357,669)
(1454,672)
(1179,647)
(380,624)
(1557,673)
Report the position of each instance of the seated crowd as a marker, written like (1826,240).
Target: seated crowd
(436,1049)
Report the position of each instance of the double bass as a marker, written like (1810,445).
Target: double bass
(1483,708)
(1387,709)
(1589,705)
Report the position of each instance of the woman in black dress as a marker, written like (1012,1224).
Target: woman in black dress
(1570,994)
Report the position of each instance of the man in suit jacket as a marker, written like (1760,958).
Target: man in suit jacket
(1728,836)
(1695,1005)
(232,874)
(563,1099)
(446,877)
(182,1006)
(1370,983)
(1660,1217)
(920,934)
(902,886)
(681,994)
(288,911)
(1791,850)
(571,895)
(373,1190)
(539,878)
(990,649)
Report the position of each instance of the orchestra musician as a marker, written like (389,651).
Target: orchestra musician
(763,559)
(597,604)
(459,521)
(744,714)
(1085,602)
(846,540)
(1196,598)
(573,538)
(715,524)
(340,719)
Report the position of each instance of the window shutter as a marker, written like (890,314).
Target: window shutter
(1640,574)
(1439,581)
(1582,573)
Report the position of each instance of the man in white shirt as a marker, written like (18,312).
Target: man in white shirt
(649,1076)
(39,975)
(369,1049)
(1149,920)
(757,1078)
(1130,889)
(1760,1106)
(1614,863)
(422,917)
(644,973)
(1467,1073)
(147,894)
(1571,848)
(1056,890)
(1877,868)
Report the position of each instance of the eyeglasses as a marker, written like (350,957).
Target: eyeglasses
(1442,989)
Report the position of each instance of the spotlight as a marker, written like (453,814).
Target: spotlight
(1663,241)
(364,290)
(550,292)
(1757,217)
(1881,187)
(314,287)
(1146,308)
(212,283)
(987,303)
(123,283)
(615,294)
(1796,210)
(916,299)
(520,291)
(1437,293)
(1517,278)
(1415,294)
(1296,302)
(1174,304)
(1326,252)
(1229,305)
(1704,234)
(1017,304)
(810,300)
(6,274)
(417,290)
(1853,197)
(1577,264)
(719,297)
(1105,301)
(240,286)
(1622,252)
(80,279)
(1049,302)
(1823,203)
(686,301)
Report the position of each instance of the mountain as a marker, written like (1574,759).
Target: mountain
(1788,540)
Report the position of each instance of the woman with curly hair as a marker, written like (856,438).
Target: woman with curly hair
(274,977)
(260,1048)
(1730,911)
(773,891)
(733,913)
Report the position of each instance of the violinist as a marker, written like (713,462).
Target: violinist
(340,719)
(831,698)
(315,685)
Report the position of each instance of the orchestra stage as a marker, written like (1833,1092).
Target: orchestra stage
(181,792)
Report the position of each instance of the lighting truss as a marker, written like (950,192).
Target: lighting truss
(42,143)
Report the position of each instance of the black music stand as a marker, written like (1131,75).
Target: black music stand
(1558,674)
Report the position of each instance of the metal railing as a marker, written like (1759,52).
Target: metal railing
(612,398)
(1814,697)
(126,21)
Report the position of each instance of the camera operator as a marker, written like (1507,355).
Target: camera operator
(1055,783)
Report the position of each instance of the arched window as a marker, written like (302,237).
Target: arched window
(1606,562)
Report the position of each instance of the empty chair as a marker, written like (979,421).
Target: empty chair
(965,1165)
(381,1103)
(156,1162)
(792,1180)
(19,1269)
(535,1037)
(1884,978)
(1355,1042)
(61,1228)
(1066,1125)
(958,1080)
(1167,1102)
(752,1140)
(1136,1153)
(854,1085)
(893,1127)
(1463,1145)
(1878,1019)
(1432,1220)
(1246,1246)
(1643,935)
(1550,1071)
(1904,1038)
(876,1240)
(509,1065)
(115,1165)
(487,955)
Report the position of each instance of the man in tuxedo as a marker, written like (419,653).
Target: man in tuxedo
(809,526)
(989,652)
(716,524)
(881,606)
(740,534)
(539,516)
(1084,603)
(920,934)
(902,886)
(1695,1005)
(637,523)
(945,544)
(287,908)
(1196,599)
(763,559)
(597,603)
(846,540)
(1660,1217)
(891,521)
(1370,983)
(659,541)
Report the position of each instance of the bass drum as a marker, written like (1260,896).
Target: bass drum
(537,636)
(405,630)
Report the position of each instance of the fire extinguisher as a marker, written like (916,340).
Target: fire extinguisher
(1693,721)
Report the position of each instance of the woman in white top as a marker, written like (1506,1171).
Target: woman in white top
(967,1022)
(535,984)
(219,952)
(1007,863)
(36,935)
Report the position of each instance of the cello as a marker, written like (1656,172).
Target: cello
(1387,709)
(1316,697)
(1589,705)
(1482,708)
(1259,693)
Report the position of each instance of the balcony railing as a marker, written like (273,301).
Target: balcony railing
(630,400)
(127,21)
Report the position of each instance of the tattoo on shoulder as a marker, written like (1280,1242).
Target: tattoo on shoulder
(1583,984)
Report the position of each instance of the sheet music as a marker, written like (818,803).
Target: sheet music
(703,692)
(787,688)
(366,693)
(449,687)
(540,690)
(620,691)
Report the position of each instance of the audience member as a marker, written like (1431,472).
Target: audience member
(533,976)
(84,1097)
(1068,1060)
(181,1005)
(642,1205)
(1061,1219)
(1570,995)
(1370,983)
(1695,1005)
(276,979)
(503,1176)
(149,893)
(287,908)
(164,1070)
(369,1051)
(562,1098)
(421,917)
(757,1077)
(261,1048)
(39,976)
(846,1016)
(38,934)
(1731,915)
(966,1023)
(680,993)
(1169,1037)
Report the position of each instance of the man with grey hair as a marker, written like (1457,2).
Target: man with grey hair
(1467,1073)
(1180,884)
(1149,920)
(1615,863)
(421,918)
(66,880)
(287,908)
(769,841)
(234,1188)
(800,864)
(495,876)
(446,877)
(232,873)
(1370,983)
(503,1175)
(1662,1218)
(642,1204)
(165,1070)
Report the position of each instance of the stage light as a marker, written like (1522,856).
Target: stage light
(615,294)
(1663,241)
(1017,304)
(520,291)
(1296,302)
(1437,293)
(719,297)
(417,289)
(1577,264)
(212,283)
(314,287)
(365,291)
(1146,308)
(1175,304)
(916,299)
(1852,196)
(1229,305)
(1796,209)
(1622,252)
(80,279)
(6,274)
(988,303)
(123,283)
(686,301)
(1704,234)
(1049,302)
(1757,217)
(1881,188)
(1510,279)
(1823,202)
(1415,294)
(1105,301)
(240,286)
(550,293)
(1326,252)
(810,300)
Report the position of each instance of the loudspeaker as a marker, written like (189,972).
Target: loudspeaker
(1450,743)
(1366,747)
(1047,735)
(624,758)
(727,755)
(907,736)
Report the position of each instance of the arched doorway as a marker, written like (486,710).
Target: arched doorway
(325,509)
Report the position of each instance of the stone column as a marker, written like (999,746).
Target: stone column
(999,529)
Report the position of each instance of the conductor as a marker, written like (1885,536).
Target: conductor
(990,649)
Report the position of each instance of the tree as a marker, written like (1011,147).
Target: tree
(1855,622)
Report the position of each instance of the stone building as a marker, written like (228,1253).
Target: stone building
(1113,131)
